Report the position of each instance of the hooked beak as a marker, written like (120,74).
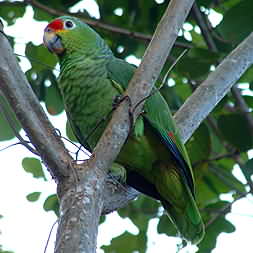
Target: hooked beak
(53,41)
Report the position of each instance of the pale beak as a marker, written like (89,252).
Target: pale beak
(53,41)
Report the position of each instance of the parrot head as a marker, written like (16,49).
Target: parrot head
(69,34)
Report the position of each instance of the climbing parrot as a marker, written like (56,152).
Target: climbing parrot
(154,158)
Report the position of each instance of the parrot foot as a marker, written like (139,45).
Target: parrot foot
(118,173)
(118,100)
(57,132)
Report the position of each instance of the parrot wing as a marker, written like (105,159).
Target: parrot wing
(78,133)
(158,117)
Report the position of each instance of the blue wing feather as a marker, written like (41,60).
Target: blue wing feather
(182,165)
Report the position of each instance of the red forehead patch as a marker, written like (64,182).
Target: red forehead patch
(171,135)
(56,25)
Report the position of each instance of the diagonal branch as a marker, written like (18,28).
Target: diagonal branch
(240,103)
(4,111)
(201,21)
(214,88)
(114,137)
(20,96)
(222,211)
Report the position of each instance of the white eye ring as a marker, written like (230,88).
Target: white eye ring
(69,25)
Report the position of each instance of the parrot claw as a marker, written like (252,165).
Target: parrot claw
(57,132)
(118,100)
(117,172)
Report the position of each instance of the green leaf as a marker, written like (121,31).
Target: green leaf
(53,100)
(218,226)
(225,175)
(33,165)
(212,232)
(52,204)
(197,63)
(140,211)
(101,219)
(249,101)
(247,170)
(236,130)
(234,29)
(204,194)
(70,133)
(172,99)
(199,145)
(41,15)
(10,12)
(34,196)
(219,108)
(6,132)
(127,243)
(247,76)
(166,226)
(39,57)
(183,90)
(41,82)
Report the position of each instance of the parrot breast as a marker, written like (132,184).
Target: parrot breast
(88,96)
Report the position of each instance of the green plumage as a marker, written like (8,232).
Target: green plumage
(153,155)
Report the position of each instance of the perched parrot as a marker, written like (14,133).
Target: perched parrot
(153,156)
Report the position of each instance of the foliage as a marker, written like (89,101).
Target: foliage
(220,142)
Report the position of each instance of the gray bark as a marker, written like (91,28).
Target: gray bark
(214,88)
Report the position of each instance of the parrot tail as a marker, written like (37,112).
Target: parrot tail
(188,223)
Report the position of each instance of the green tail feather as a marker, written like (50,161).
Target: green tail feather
(188,223)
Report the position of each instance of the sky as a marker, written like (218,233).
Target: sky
(25,226)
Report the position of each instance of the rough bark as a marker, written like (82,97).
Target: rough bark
(214,88)
(23,101)
(115,135)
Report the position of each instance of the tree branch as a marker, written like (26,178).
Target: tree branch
(89,197)
(222,211)
(20,96)
(98,24)
(201,21)
(4,111)
(214,88)
(240,103)
(242,106)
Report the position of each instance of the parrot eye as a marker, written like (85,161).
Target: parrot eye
(69,24)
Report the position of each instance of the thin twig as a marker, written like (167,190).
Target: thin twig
(200,19)
(172,66)
(217,158)
(12,125)
(241,104)
(12,145)
(38,62)
(222,210)
(99,24)
(49,236)
(30,114)
(249,181)
(222,174)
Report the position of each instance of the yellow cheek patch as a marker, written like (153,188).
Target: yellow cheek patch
(60,31)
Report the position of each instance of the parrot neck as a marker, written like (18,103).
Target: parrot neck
(92,53)
(83,82)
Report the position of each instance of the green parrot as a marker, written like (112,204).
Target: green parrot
(155,159)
